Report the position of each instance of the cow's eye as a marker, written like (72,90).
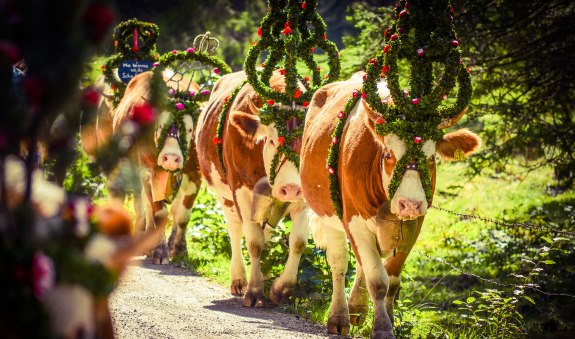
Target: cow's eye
(272,142)
(432,159)
(387,155)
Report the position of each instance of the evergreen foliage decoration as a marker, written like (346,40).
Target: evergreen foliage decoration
(422,34)
(289,32)
(183,101)
(133,40)
(221,122)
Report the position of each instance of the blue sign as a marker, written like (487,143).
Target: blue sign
(130,68)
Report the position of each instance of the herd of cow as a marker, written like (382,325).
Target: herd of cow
(366,166)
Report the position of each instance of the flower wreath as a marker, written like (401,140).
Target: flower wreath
(185,102)
(133,40)
(289,31)
(421,34)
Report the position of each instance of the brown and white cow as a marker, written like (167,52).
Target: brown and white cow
(155,168)
(365,168)
(248,149)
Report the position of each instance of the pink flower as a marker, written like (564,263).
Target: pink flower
(43,274)
(179,106)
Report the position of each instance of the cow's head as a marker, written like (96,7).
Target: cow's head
(405,167)
(287,183)
(173,138)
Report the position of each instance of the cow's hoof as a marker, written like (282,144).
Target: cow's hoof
(254,298)
(280,293)
(382,335)
(238,286)
(338,324)
(160,256)
(357,314)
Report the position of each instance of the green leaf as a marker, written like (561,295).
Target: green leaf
(458,302)
(548,262)
(470,300)
(529,299)
(547,239)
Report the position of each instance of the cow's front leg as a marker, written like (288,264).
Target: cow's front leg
(235,231)
(181,211)
(358,299)
(376,278)
(159,216)
(254,234)
(283,286)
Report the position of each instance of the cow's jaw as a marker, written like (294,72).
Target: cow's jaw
(409,201)
(287,183)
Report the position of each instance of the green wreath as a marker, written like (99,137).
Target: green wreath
(422,34)
(289,31)
(181,103)
(127,36)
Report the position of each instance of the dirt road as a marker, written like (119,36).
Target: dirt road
(172,302)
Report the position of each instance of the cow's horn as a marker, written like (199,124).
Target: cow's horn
(448,122)
(253,108)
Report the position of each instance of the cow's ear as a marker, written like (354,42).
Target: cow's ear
(458,144)
(248,125)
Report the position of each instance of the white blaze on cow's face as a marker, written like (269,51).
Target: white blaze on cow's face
(171,157)
(287,183)
(409,201)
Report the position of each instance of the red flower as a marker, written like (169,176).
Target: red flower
(297,93)
(270,102)
(311,49)
(305,104)
(304,5)
(97,19)
(91,97)
(386,48)
(216,140)
(282,71)
(417,140)
(281,140)
(287,29)
(260,32)
(380,121)
(143,114)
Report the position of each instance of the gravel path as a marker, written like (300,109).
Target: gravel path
(172,302)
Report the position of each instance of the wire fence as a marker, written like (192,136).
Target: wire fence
(527,285)
(508,224)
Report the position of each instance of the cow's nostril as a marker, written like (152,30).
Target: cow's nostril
(283,191)
(402,205)
(165,158)
(177,160)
